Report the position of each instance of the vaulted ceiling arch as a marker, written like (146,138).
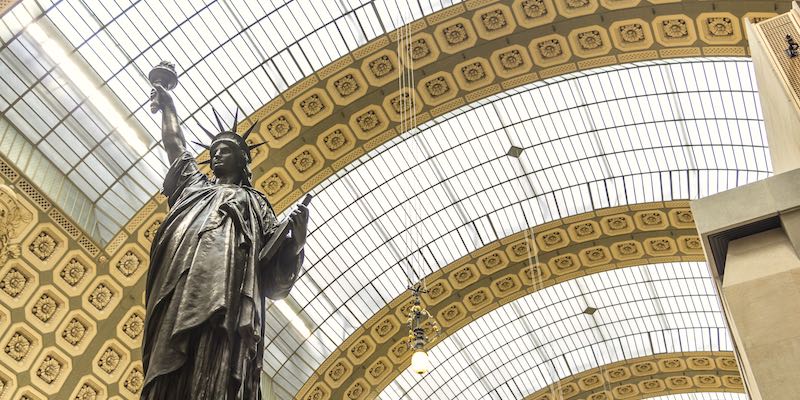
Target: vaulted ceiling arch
(504,272)
(726,160)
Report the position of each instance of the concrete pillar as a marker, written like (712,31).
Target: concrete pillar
(751,234)
(778,79)
(763,304)
(751,238)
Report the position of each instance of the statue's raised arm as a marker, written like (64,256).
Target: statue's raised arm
(164,78)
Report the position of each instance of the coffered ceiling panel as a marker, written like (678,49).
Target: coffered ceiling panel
(614,136)
(74,75)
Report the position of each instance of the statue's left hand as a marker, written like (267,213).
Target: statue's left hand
(299,221)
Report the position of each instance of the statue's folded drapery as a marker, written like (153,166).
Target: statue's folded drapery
(205,288)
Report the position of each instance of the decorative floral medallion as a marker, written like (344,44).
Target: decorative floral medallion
(378,369)
(564,262)
(584,229)
(381,66)
(401,103)
(129,263)
(651,218)
(631,33)
(273,184)
(521,249)
(49,369)
(134,326)
(355,391)
(45,308)
(660,245)
(651,385)
(550,48)
(43,246)
(720,26)
(590,40)
(18,346)
(346,85)
(455,34)
(534,8)
(693,243)
(12,217)
(312,105)
(335,140)
(368,121)
(505,284)
(384,327)
(150,232)
(577,3)
(477,298)
(627,248)
(86,392)
(552,238)
(473,72)
(685,217)
(74,332)
(494,20)
(595,254)
(437,87)
(419,49)
(451,312)
(337,372)
(100,297)
(360,349)
(511,60)
(279,128)
(675,28)
(463,274)
(13,282)
(617,223)
(436,290)
(134,381)
(492,260)
(304,161)
(109,361)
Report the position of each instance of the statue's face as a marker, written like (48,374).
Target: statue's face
(226,160)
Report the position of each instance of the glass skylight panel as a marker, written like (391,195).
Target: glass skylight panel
(704,396)
(242,58)
(543,337)
(453,196)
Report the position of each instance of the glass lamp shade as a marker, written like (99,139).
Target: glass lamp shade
(420,363)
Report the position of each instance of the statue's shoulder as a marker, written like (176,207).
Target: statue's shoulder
(261,198)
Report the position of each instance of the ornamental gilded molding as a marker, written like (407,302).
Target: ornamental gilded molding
(477,50)
(56,286)
(507,270)
(468,53)
(650,376)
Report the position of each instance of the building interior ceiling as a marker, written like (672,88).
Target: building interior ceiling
(558,144)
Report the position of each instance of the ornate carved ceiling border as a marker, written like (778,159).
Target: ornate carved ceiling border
(502,272)
(462,54)
(7,5)
(647,377)
(68,322)
(468,52)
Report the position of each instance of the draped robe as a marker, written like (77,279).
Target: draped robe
(205,289)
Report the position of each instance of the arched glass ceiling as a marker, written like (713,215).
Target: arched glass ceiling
(73,75)
(614,136)
(536,341)
(704,396)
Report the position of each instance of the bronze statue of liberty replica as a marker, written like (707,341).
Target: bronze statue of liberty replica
(219,252)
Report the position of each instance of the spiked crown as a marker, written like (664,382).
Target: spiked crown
(230,136)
